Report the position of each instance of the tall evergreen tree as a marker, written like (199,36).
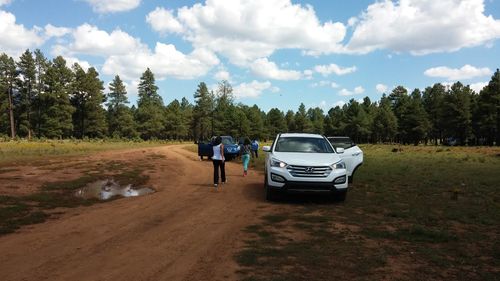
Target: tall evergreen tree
(414,123)
(335,122)
(27,94)
(39,103)
(290,121)
(457,112)
(120,118)
(150,113)
(56,116)
(489,110)
(357,122)
(317,118)
(275,122)
(9,78)
(203,113)
(432,99)
(302,122)
(385,123)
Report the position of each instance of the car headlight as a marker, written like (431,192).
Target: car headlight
(277,163)
(338,165)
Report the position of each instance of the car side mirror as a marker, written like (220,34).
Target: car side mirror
(340,150)
(266,148)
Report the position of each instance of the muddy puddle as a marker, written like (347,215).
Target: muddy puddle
(105,189)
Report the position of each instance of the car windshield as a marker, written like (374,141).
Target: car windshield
(344,143)
(303,144)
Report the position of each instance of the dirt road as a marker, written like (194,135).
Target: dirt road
(184,231)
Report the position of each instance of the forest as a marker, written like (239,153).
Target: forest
(46,99)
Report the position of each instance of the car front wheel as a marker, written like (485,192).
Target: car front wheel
(270,194)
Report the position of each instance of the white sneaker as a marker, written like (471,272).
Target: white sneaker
(215,185)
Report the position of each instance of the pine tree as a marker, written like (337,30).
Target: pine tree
(27,94)
(302,122)
(275,122)
(335,122)
(457,112)
(414,123)
(432,99)
(290,121)
(489,110)
(9,79)
(39,103)
(203,118)
(56,116)
(385,123)
(120,118)
(317,118)
(150,113)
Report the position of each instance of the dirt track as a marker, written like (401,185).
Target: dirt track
(182,232)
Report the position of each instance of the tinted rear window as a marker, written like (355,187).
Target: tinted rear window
(303,144)
(341,142)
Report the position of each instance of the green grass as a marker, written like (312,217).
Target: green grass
(419,213)
(24,150)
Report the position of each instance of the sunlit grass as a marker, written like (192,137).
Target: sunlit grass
(432,210)
(22,150)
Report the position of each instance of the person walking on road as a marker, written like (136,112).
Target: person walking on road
(255,148)
(218,161)
(245,155)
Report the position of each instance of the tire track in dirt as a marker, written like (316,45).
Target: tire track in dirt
(182,232)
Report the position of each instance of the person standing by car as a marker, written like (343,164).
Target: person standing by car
(218,161)
(255,148)
(245,155)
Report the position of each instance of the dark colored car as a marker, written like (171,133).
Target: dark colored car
(231,149)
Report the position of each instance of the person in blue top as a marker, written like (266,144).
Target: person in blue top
(255,148)
(245,155)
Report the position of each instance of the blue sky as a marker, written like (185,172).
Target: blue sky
(275,53)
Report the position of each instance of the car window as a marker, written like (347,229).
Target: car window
(303,144)
(344,143)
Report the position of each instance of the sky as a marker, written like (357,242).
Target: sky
(274,53)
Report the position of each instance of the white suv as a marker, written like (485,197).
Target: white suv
(298,162)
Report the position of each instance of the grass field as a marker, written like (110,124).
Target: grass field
(413,213)
(11,151)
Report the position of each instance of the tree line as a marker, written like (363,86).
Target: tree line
(41,98)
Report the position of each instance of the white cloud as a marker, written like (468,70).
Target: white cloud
(15,38)
(357,90)
(244,31)
(163,21)
(165,61)
(308,74)
(339,104)
(5,2)
(381,88)
(465,72)
(477,87)
(222,75)
(72,60)
(128,57)
(423,26)
(326,70)
(268,69)
(91,40)
(54,31)
(252,89)
(113,6)
(323,83)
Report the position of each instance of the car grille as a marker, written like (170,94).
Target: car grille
(309,171)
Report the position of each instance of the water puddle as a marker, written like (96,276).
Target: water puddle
(105,189)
